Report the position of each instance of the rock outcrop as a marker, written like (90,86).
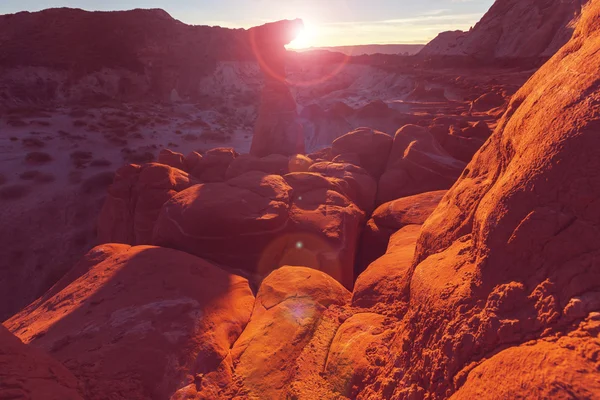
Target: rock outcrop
(141,323)
(513,29)
(277,129)
(257,222)
(417,164)
(390,217)
(506,267)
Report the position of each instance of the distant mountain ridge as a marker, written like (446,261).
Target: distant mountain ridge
(358,50)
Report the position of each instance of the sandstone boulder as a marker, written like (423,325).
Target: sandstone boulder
(363,187)
(285,346)
(417,164)
(372,148)
(172,159)
(135,199)
(257,222)
(213,165)
(140,324)
(384,285)
(388,219)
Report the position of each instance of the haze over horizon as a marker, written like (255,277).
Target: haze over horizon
(335,23)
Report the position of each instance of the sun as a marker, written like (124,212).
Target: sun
(305,38)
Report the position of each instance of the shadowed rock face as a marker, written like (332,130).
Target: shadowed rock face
(27,372)
(513,29)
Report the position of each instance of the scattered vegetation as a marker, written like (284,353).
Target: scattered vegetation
(33,143)
(81,158)
(14,192)
(38,157)
(100,163)
(97,183)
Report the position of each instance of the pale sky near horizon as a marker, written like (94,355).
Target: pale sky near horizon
(328,22)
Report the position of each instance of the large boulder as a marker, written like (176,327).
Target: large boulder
(372,148)
(384,285)
(285,346)
(257,223)
(29,373)
(362,186)
(213,165)
(390,217)
(417,164)
(510,256)
(142,323)
(135,199)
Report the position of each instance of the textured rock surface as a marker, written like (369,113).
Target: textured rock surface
(417,164)
(510,254)
(135,199)
(29,373)
(372,148)
(388,218)
(384,284)
(285,346)
(141,323)
(513,29)
(258,222)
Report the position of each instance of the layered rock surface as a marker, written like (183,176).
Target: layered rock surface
(513,29)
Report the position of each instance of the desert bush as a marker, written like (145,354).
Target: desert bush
(100,163)
(38,157)
(81,158)
(33,143)
(97,183)
(14,192)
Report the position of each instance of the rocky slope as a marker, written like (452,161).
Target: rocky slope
(513,29)
(233,276)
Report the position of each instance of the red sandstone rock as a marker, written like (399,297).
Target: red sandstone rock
(362,186)
(252,223)
(135,199)
(275,164)
(371,147)
(213,165)
(388,219)
(141,323)
(512,29)
(28,373)
(172,159)
(287,339)
(416,164)
(510,254)
(385,283)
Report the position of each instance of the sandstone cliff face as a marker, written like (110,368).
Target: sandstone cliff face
(513,29)
(510,256)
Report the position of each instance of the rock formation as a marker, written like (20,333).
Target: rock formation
(512,29)
(492,293)
(277,130)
